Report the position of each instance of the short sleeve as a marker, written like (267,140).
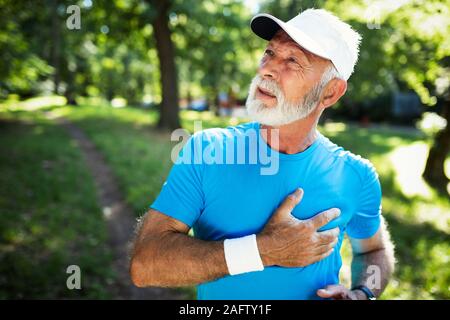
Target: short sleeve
(366,219)
(181,196)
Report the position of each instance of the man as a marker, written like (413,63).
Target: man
(250,243)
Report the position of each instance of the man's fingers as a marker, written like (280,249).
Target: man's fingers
(328,236)
(324,217)
(332,291)
(321,256)
(325,247)
(289,203)
(323,293)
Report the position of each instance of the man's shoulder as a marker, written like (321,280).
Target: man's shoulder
(362,167)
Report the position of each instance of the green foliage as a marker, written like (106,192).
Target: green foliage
(409,49)
(21,68)
(216,46)
(419,48)
(114,53)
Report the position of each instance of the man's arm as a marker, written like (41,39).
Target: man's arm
(372,257)
(165,255)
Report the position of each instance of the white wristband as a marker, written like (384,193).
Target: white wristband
(242,255)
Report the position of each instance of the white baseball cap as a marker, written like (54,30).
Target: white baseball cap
(319,32)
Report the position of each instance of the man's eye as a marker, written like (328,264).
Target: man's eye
(268,52)
(293,60)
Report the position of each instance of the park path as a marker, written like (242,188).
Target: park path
(119,217)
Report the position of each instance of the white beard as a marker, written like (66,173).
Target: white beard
(284,112)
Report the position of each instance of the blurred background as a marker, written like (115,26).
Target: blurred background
(90,90)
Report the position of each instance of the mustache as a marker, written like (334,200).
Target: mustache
(269,85)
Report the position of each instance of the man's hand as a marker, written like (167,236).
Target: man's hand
(339,292)
(290,242)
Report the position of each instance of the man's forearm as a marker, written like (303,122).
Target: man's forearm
(373,269)
(176,259)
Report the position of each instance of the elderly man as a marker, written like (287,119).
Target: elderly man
(251,241)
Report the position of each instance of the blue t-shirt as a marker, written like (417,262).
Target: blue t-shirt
(218,188)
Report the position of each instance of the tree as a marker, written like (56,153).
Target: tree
(169,84)
(420,54)
(434,169)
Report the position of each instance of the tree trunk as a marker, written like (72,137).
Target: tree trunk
(434,172)
(169,106)
(70,84)
(56,48)
(70,93)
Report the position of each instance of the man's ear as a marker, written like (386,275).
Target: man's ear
(334,90)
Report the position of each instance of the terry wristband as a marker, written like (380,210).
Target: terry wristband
(242,255)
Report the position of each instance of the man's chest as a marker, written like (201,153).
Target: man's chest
(238,200)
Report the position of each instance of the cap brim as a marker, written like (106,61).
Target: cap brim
(265,26)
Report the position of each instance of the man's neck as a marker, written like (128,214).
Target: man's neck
(294,137)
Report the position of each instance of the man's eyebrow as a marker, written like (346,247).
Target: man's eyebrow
(297,46)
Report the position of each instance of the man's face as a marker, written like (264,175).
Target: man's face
(286,86)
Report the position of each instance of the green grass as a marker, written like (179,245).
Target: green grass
(138,154)
(49,218)
(419,218)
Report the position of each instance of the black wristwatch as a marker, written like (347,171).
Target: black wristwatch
(369,294)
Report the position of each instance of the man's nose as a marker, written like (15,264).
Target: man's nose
(268,70)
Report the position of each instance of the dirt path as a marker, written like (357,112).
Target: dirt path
(119,217)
